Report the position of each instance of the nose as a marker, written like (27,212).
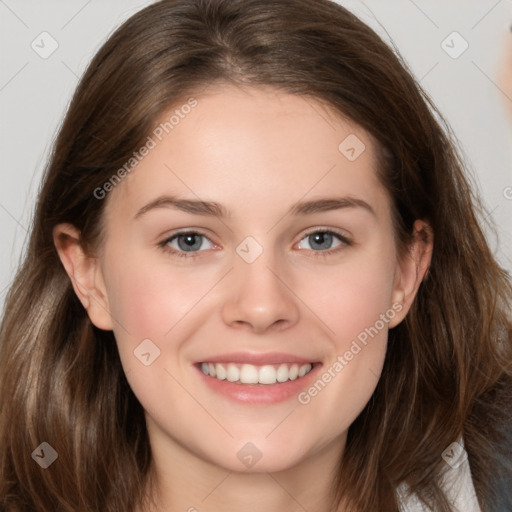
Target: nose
(259,297)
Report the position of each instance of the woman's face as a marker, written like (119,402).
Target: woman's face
(292,265)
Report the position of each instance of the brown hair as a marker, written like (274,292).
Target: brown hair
(448,368)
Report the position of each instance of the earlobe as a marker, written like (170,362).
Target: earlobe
(412,269)
(84,273)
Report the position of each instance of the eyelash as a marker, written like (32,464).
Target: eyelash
(345,242)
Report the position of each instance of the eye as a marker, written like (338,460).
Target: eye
(185,242)
(323,240)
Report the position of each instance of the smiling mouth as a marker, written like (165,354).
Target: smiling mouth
(253,374)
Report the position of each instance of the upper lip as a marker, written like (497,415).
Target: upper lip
(256,358)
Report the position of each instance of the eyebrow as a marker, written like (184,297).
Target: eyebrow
(213,209)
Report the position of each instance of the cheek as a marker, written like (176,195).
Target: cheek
(149,298)
(356,294)
(356,306)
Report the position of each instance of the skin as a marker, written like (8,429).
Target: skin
(255,151)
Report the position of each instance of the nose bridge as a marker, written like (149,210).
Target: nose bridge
(259,298)
(256,269)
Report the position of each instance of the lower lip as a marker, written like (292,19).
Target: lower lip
(260,393)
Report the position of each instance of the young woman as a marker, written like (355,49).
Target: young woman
(256,280)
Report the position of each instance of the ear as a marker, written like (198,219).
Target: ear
(85,274)
(411,270)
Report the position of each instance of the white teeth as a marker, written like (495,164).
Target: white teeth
(267,375)
(233,373)
(251,374)
(221,372)
(282,373)
(303,370)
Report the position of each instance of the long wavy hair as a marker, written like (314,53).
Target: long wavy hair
(448,367)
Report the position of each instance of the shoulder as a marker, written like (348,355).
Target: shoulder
(457,484)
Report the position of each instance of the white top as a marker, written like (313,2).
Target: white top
(458,484)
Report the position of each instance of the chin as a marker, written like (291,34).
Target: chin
(259,456)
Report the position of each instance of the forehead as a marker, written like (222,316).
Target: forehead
(249,145)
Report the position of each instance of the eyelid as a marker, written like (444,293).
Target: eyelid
(326,229)
(345,241)
(188,231)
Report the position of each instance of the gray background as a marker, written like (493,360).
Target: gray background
(34,91)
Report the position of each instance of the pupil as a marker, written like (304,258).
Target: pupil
(321,239)
(187,242)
